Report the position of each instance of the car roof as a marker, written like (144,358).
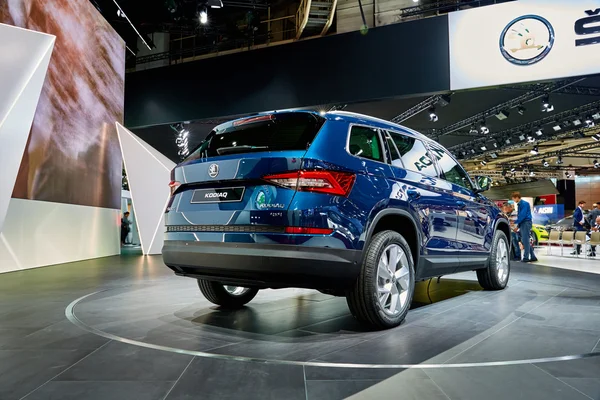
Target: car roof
(350,117)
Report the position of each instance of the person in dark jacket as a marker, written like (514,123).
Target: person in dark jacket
(593,215)
(524,224)
(125,227)
(578,224)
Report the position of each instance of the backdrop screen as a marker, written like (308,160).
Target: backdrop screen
(73,153)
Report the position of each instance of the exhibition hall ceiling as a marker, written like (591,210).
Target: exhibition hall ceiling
(463,105)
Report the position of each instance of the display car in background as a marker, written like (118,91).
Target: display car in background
(565,224)
(343,203)
(539,234)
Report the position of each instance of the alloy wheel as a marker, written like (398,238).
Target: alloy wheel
(502,261)
(236,290)
(393,280)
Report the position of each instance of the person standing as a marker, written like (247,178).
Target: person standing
(578,224)
(125,227)
(524,224)
(593,215)
(511,213)
(595,228)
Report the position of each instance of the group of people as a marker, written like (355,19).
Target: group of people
(521,222)
(592,224)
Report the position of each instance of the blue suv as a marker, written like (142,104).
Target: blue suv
(343,203)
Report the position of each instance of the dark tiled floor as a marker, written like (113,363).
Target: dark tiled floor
(544,312)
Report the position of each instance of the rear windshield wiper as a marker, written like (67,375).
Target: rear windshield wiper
(239,149)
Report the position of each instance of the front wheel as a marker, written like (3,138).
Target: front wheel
(384,290)
(533,239)
(495,275)
(231,297)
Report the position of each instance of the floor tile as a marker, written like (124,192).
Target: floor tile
(225,379)
(582,368)
(528,339)
(510,382)
(22,371)
(588,386)
(124,362)
(348,374)
(56,390)
(62,335)
(411,384)
(335,390)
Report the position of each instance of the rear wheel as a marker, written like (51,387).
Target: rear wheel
(384,290)
(495,276)
(226,296)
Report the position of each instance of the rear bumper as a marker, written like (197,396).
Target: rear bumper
(264,265)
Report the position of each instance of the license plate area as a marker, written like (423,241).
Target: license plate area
(220,195)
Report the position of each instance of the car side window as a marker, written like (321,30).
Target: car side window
(452,171)
(414,154)
(395,158)
(364,142)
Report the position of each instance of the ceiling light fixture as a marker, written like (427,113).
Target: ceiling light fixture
(535,151)
(473,130)
(545,163)
(559,160)
(521,110)
(546,105)
(203,15)
(432,115)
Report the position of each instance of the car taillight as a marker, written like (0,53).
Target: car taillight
(330,182)
(308,231)
(173,185)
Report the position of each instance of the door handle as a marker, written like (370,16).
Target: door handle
(412,193)
(461,204)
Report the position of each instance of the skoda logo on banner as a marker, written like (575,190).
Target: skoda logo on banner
(213,170)
(527,40)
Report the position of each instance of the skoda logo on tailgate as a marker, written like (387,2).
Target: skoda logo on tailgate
(213,170)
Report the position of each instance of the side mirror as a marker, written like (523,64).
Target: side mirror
(483,183)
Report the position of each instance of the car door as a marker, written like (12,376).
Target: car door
(415,171)
(474,232)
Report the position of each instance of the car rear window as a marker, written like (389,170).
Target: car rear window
(274,132)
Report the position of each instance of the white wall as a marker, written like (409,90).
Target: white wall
(38,233)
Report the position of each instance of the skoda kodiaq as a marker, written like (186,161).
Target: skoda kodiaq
(343,203)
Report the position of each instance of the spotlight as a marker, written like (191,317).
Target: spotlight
(535,151)
(472,151)
(579,134)
(483,162)
(546,105)
(577,121)
(596,164)
(530,139)
(568,175)
(538,131)
(473,130)
(522,137)
(432,115)
(484,129)
(596,137)
(545,163)
(494,155)
(203,15)
(532,173)
(483,147)
(596,115)
(521,110)
(513,169)
(559,160)
(557,127)
(589,122)
(503,114)
(508,141)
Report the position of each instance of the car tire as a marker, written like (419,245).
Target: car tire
(495,275)
(225,297)
(381,297)
(533,238)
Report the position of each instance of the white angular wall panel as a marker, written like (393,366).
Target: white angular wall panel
(148,174)
(23,66)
